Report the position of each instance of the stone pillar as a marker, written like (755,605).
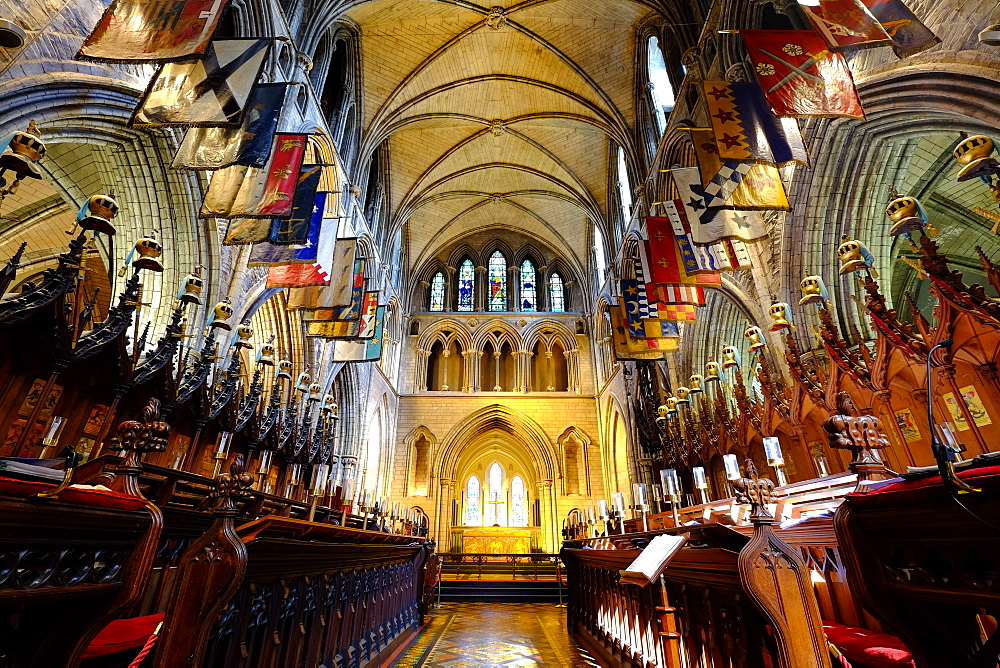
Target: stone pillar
(451,290)
(481,290)
(443,522)
(572,370)
(496,366)
(550,367)
(446,354)
(513,288)
(547,506)
(541,290)
(468,359)
(523,370)
(420,368)
(425,295)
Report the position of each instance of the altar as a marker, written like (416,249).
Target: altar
(498,540)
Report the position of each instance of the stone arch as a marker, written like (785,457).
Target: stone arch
(503,418)
(574,452)
(420,444)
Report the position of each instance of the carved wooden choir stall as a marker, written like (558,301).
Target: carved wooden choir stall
(202,529)
(882,549)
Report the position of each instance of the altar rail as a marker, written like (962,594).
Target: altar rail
(533,566)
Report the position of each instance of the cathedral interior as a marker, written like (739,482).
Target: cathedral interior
(350,333)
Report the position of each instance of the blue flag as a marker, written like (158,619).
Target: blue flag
(267,254)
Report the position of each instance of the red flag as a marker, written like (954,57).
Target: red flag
(845,24)
(663,264)
(800,77)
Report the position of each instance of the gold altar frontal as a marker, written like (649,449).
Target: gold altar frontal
(497,540)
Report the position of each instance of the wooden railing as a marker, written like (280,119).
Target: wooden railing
(524,566)
(727,598)
(67,568)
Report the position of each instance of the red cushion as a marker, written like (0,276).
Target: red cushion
(922,489)
(122,634)
(87,497)
(868,647)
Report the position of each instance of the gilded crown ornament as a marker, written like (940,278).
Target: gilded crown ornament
(243,335)
(755,337)
(712,371)
(730,358)
(266,355)
(193,286)
(149,251)
(975,155)
(854,257)
(21,152)
(695,382)
(907,215)
(813,291)
(780,317)
(97,213)
(223,311)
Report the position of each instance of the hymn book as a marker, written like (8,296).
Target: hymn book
(653,559)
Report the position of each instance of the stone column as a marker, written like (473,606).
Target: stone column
(425,294)
(469,358)
(421,369)
(513,288)
(450,290)
(446,354)
(443,523)
(496,366)
(547,506)
(550,367)
(481,290)
(521,384)
(541,290)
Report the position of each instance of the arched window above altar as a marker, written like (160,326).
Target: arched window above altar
(518,503)
(496,502)
(473,503)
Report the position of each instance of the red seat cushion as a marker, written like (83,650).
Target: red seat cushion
(88,497)
(868,647)
(122,634)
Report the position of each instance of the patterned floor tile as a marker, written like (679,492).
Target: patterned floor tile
(495,635)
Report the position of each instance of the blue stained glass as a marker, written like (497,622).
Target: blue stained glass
(528,298)
(556,294)
(498,282)
(437,292)
(466,285)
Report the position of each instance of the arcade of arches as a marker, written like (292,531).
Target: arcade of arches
(366,299)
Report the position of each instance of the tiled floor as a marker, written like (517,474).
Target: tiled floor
(495,635)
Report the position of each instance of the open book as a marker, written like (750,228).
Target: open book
(654,558)
(39,470)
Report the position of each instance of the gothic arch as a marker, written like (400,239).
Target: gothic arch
(496,417)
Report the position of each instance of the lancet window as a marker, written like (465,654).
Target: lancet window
(518,503)
(497,498)
(437,292)
(660,89)
(473,503)
(557,295)
(466,286)
(529,301)
(498,282)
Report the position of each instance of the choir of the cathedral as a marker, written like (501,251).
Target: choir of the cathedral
(311,311)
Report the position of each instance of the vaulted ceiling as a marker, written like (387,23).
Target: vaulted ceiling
(499,117)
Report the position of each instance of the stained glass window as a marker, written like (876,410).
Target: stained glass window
(498,282)
(528,299)
(496,502)
(437,292)
(473,506)
(556,295)
(466,285)
(518,503)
